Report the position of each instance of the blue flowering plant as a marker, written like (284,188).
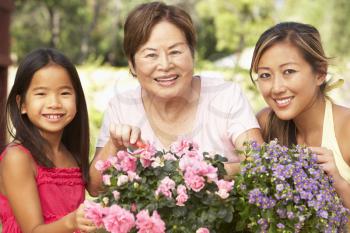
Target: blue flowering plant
(283,189)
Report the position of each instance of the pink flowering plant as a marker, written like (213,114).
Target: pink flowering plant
(181,190)
(285,190)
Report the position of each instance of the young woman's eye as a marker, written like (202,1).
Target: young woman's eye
(289,71)
(264,76)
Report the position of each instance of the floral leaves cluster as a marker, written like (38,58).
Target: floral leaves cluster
(181,190)
(284,190)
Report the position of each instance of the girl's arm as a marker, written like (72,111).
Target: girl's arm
(19,186)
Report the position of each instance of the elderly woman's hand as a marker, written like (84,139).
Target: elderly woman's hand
(124,136)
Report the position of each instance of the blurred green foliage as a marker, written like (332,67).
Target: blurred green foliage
(92,30)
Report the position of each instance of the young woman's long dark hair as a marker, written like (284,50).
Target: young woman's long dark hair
(75,136)
(307,39)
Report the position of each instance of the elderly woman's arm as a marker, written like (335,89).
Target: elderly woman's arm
(249,135)
(121,137)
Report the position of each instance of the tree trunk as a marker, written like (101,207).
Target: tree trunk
(85,44)
(3,98)
(55,26)
(6,6)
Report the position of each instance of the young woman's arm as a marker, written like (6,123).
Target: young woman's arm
(342,130)
(325,158)
(19,186)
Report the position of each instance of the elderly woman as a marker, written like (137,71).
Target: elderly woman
(170,102)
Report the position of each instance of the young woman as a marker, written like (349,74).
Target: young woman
(44,170)
(290,67)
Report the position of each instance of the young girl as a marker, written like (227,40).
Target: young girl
(291,68)
(44,170)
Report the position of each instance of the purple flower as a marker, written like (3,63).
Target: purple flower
(288,186)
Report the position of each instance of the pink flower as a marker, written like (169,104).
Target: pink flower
(102,165)
(192,162)
(225,185)
(147,224)
(146,153)
(116,195)
(202,230)
(126,162)
(133,207)
(184,163)
(165,187)
(133,176)
(94,211)
(193,181)
(212,173)
(183,147)
(169,156)
(118,220)
(182,196)
(224,188)
(114,162)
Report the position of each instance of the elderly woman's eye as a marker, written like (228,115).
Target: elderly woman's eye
(289,71)
(151,55)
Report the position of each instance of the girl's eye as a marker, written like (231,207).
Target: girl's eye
(40,93)
(66,93)
(264,76)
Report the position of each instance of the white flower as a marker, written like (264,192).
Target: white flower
(123,179)
(158,162)
(222,193)
(105,200)
(106,179)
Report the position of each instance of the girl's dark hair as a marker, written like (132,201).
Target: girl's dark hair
(75,136)
(307,40)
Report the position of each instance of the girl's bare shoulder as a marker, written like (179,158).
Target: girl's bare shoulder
(15,156)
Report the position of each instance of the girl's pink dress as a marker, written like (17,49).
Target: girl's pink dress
(61,191)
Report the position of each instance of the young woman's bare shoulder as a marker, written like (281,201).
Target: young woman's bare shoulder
(262,116)
(341,116)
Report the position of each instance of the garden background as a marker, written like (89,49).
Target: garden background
(90,32)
